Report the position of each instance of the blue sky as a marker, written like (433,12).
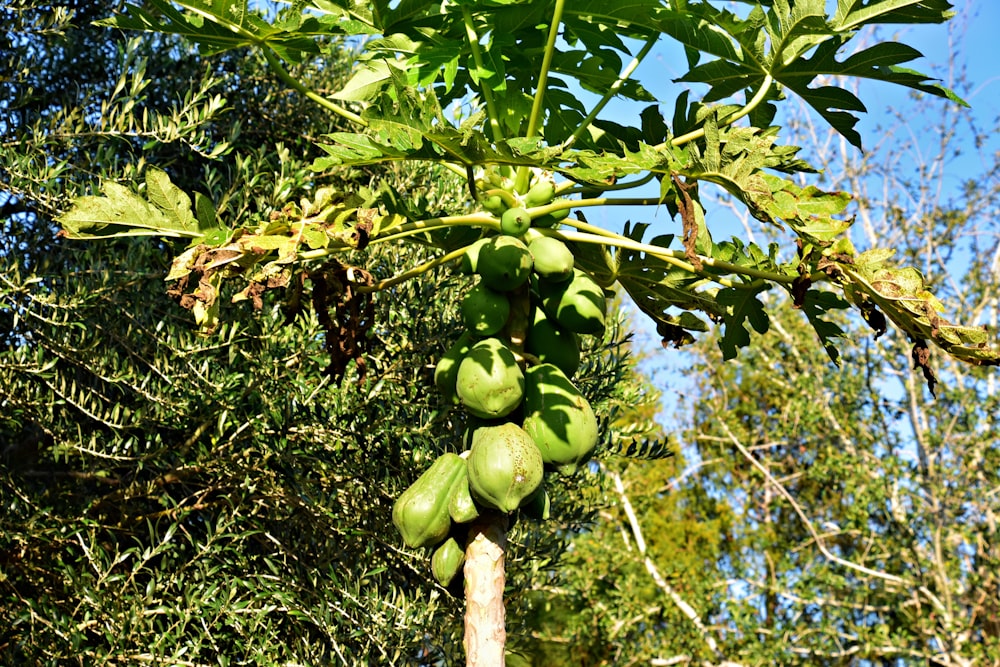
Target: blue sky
(974,40)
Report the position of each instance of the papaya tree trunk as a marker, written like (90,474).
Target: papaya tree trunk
(485,626)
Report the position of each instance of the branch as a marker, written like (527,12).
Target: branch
(664,585)
(820,544)
(295,84)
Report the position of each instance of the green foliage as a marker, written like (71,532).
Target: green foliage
(482,57)
(816,515)
(173,498)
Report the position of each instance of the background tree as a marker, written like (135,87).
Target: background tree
(172,499)
(535,130)
(854,512)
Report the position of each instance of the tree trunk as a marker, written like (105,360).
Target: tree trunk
(485,629)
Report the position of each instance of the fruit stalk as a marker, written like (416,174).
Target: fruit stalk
(485,616)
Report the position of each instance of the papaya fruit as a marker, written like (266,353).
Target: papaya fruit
(505,466)
(420,514)
(540,194)
(555,217)
(462,508)
(558,418)
(447,561)
(538,506)
(470,259)
(504,263)
(515,221)
(553,344)
(577,304)
(490,384)
(551,258)
(446,371)
(484,311)
(493,204)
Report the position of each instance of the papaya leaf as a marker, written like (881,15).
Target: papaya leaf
(852,13)
(660,288)
(815,305)
(740,306)
(166,212)
(794,44)
(900,294)
(170,199)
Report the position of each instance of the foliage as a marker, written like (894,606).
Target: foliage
(847,521)
(171,498)
(482,58)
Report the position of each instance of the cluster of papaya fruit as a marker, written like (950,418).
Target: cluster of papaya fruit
(513,378)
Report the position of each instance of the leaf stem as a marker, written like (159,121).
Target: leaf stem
(612,90)
(418,270)
(677,258)
(477,59)
(728,120)
(535,119)
(569,187)
(275,63)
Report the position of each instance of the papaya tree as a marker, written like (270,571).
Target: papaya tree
(510,100)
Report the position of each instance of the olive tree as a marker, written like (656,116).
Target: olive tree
(485,96)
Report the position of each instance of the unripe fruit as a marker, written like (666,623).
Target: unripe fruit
(553,344)
(552,259)
(558,418)
(446,371)
(504,263)
(554,218)
(420,514)
(471,257)
(494,204)
(485,311)
(537,506)
(578,304)
(540,194)
(490,383)
(515,221)
(505,466)
(447,561)
(462,507)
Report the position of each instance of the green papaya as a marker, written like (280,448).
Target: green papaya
(504,263)
(558,418)
(484,311)
(555,217)
(505,466)
(538,505)
(462,507)
(471,257)
(540,194)
(552,343)
(447,561)
(515,221)
(420,514)
(490,384)
(493,204)
(578,304)
(446,371)
(551,258)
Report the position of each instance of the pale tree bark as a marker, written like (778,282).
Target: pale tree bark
(485,616)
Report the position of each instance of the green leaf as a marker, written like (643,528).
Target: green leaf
(121,212)
(815,305)
(777,44)
(854,13)
(221,25)
(170,199)
(740,306)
